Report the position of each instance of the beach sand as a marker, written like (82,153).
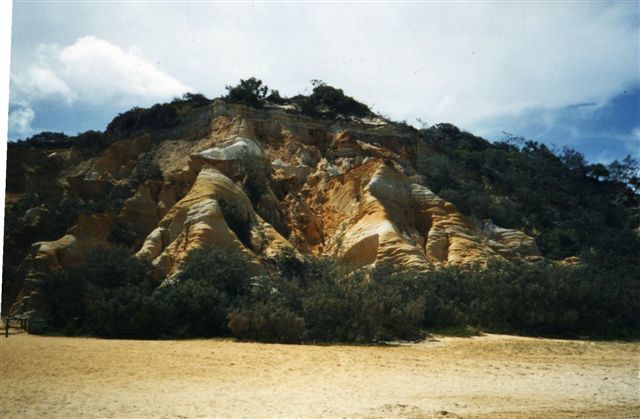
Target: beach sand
(493,376)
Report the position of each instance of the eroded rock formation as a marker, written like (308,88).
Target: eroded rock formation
(254,182)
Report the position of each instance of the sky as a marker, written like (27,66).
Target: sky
(563,73)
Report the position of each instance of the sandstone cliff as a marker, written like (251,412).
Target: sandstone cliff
(254,182)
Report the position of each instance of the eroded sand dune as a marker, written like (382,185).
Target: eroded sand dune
(494,376)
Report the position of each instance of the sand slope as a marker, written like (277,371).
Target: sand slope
(497,376)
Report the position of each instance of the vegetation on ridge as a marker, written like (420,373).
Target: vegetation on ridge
(95,140)
(159,116)
(324,102)
(568,205)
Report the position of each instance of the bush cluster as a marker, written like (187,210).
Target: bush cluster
(159,116)
(251,92)
(112,294)
(319,303)
(324,102)
(108,295)
(313,300)
(95,140)
(540,300)
(329,102)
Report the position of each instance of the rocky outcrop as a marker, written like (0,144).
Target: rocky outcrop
(120,158)
(89,233)
(215,212)
(374,214)
(511,243)
(257,181)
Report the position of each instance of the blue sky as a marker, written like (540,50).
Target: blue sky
(564,73)
(602,131)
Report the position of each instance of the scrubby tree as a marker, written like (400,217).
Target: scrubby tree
(329,102)
(250,92)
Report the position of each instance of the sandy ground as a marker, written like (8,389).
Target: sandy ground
(494,376)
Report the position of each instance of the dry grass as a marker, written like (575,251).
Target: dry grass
(496,376)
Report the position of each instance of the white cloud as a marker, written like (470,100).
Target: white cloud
(461,63)
(39,83)
(103,72)
(467,63)
(94,71)
(20,120)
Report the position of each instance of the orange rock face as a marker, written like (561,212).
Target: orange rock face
(215,212)
(342,188)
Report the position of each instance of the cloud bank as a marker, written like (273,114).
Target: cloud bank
(90,72)
(474,64)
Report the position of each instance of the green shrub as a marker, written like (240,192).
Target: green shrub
(90,139)
(124,311)
(328,102)
(159,116)
(324,102)
(193,308)
(62,213)
(65,308)
(439,169)
(314,301)
(250,92)
(226,271)
(85,140)
(198,299)
(270,311)
(360,306)
(337,102)
(111,295)
(195,100)
(108,295)
(542,299)
(274,97)
(289,266)
(326,302)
